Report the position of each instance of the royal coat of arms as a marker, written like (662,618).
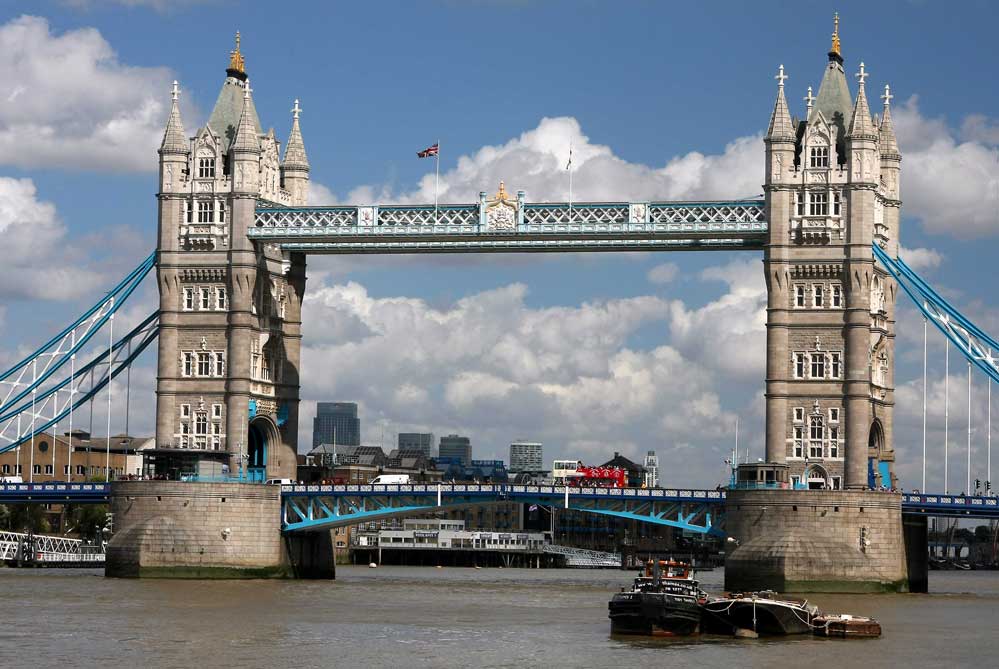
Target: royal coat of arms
(501,211)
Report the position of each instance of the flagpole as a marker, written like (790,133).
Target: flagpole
(437,177)
(569,167)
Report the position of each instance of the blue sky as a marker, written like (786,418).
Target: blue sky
(672,98)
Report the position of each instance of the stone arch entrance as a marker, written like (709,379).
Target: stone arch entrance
(878,473)
(816,478)
(261,437)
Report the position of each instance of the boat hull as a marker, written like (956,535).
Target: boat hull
(654,613)
(765,617)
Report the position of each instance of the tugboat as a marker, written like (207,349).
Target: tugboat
(757,613)
(665,600)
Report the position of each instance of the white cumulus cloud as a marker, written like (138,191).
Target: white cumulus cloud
(71,103)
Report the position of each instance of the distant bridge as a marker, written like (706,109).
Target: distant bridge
(321,507)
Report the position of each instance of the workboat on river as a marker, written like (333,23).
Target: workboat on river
(757,614)
(665,600)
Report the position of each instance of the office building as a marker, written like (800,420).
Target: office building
(417,441)
(525,456)
(336,423)
(456,446)
(651,470)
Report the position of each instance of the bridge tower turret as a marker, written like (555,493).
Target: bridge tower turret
(831,192)
(227,387)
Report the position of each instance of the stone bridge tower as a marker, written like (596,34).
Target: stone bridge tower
(832,191)
(230,310)
(831,187)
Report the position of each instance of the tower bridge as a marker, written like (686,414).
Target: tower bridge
(233,238)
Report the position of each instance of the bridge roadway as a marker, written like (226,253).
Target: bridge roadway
(314,507)
(509,224)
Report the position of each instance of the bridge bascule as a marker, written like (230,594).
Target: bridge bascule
(235,231)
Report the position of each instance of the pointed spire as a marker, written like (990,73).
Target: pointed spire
(834,52)
(861,125)
(781,127)
(247,138)
(174,139)
(887,141)
(294,153)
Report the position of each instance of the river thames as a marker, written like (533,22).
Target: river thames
(423,617)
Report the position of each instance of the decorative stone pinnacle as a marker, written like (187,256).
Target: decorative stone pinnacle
(809,99)
(862,75)
(296,110)
(175,93)
(247,90)
(781,76)
(887,96)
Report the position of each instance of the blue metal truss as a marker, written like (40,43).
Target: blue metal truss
(958,506)
(310,508)
(974,344)
(55,493)
(17,383)
(45,409)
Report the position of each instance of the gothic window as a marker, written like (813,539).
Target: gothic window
(833,442)
(819,156)
(204,364)
(837,296)
(206,299)
(815,437)
(37,469)
(188,299)
(834,415)
(837,208)
(836,367)
(221,211)
(837,482)
(185,410)
(799,414)
(220,298)
(799,296)
(219,364)
(188,210)
(818,204)
(800,203)
(799,365)
(204,211)
(206,168)
(48,469)
(201,423)
(265,366)
(216,411)
(817,296)
(188,364)
(255,359)
(818,366)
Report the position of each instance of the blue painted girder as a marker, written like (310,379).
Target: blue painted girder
(323,507)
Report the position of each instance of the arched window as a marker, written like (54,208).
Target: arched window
(815,435)
(819,156)
(206,168)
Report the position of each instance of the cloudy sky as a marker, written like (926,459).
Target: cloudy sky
(589,354)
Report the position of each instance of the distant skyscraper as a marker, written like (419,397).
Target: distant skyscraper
(525,456)
(456,446)
(417,441)
(651,470)
(336,422)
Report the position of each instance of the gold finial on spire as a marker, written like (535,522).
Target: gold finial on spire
(835,35)
(236,58)
(501,195)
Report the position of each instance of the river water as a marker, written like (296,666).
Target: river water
(403,617)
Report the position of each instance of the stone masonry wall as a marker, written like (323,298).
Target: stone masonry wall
(813,540)
(196,530)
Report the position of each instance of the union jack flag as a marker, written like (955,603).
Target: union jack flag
(428,152)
